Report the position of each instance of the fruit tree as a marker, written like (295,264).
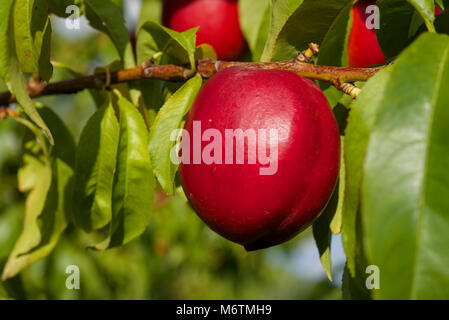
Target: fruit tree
(222,128)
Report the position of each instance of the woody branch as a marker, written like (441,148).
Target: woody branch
(337,76)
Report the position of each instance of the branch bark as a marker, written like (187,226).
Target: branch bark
(337,76)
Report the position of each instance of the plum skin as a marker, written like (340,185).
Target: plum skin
(363,48)
(218,21)
(234,200)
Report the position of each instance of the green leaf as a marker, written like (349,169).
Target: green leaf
(32,31)
(33,160)
(333,96)
(333,47)
(167,120)
(205,51)
(134,183)
(106,16)
(30,236)
(3,293)
(323,235)
(262,35)
(354,288)
(251,16)
(405,191)
(360,124)
(9,66)
(336,222)
(280,12)
(165,46)
(94,173)
(426,9)
(178,48)
(289,41)
(48,204)
(45,218)
(150,10)
(57,211)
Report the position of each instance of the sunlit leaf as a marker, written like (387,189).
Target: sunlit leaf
(32,31)
(406,182)
(48,204)
(426,9)
(323,235)
(107,16)
(205,51)
(280,12)
(303,27)
(152,38)
(251,14)
(167,120)
(95,167)
(134,184)
(9,66)
(360,124)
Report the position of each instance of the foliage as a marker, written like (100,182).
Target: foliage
(93,176)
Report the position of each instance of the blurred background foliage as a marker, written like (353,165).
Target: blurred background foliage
(178,257)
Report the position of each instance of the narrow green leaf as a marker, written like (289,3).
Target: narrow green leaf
(150,10)
(48,204)
(3,293)
(9,66)
(134,183)
(32,31)
(33,160)
(168,119)
(405,191)
(323,235)
(94,173)
(336,222)
(333,46)
(107,16)
(354,288)
(280,12)
(426,9)
(152,38)
(205,51)
(165,46)
(262,35)
(57,211)
(360,124)
(30,236)
(251,16)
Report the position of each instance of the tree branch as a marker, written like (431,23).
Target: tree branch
(337,76)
